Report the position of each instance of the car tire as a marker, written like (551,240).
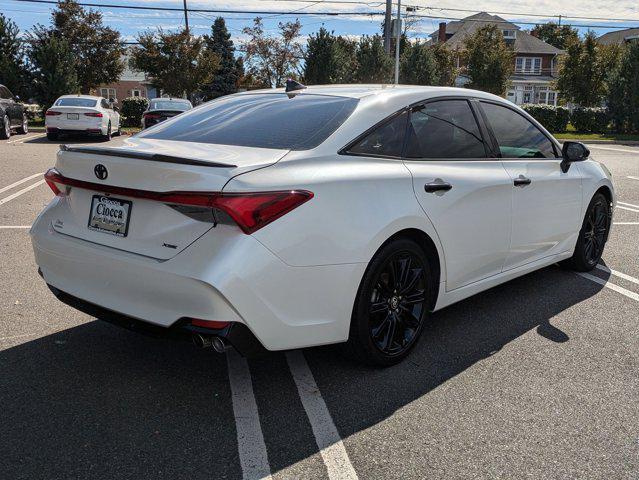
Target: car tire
(390,309)
(52,136)
(5,131)
(592,236)
(108,135)
(24,128)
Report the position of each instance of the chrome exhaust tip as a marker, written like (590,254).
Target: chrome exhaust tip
(201,341)
(218,344)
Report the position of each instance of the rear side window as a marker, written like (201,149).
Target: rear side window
(386,140)
(269,120)
(76,102)
(516,135)
(444,129)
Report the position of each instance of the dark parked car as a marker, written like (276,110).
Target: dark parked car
(12,114)
(162,108)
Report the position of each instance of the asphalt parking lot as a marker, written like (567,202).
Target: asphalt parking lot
(537,378)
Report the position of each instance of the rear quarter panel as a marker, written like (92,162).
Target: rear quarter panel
(358,203)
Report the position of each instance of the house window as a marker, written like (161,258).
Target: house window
(136,93)
(528,65)
(108,93)
(510,34)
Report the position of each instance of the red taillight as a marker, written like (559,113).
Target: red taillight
(208,323)
(93,114)
(52,113)
(151,115)
(251,210)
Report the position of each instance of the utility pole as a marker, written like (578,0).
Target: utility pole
(186,17)
(387,26)
(398,24)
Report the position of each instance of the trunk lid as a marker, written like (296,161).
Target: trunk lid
(155,229)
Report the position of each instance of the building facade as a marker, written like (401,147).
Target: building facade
(131,84)
(535,60)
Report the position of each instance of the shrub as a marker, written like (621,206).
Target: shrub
(555,119)
(590,120)
(132,110)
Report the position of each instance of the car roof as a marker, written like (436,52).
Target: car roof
(92,97)
(384,90)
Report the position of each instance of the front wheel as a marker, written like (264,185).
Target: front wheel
(391,304)
(592,236)
(23,129)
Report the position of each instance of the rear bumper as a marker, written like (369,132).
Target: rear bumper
(237,334)
(86,131)
(223,276)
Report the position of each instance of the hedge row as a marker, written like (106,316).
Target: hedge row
(132,110)
(556,119)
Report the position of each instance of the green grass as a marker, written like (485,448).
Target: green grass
(572,134)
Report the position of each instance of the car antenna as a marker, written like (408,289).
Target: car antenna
(293,86)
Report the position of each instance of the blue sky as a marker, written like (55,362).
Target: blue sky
(130,22)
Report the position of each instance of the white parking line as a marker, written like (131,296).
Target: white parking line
(616,273)
(633,178)
(22,139)
(15,184)
(7,227)
(627,204)
(20,192)
(629,209)
(596,146)
(609,285)
(625,223)
(250,440)
(327,437)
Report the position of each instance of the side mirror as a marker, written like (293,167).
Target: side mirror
(17,98)
(573,152)
(116,109)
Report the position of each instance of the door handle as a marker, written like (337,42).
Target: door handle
(522,181)
(437,187)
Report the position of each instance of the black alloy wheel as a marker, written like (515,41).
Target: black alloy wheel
(592,236)
(391,305)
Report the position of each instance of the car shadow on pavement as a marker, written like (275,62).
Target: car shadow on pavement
(95,401)
(67,140)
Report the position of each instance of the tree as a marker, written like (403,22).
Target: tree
(97,49)
(53,69)
(373,65)
(423,64)
(329,59)
(623,99)
(177,63)
(489,61)
(584,70)
(12,68)
(226,79)
(446,64)
(556,35)
(270,60)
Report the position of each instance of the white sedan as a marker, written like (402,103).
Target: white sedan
(82,114)
(273,220)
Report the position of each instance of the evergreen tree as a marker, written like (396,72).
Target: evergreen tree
(373,64)
(226,79)
(418,65)
(584,71)
(623,100)
(329,59)
(97,50)
(53,70)
(556,35)
(489,61)
(12,68)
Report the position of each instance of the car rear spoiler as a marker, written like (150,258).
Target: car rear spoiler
(139,155)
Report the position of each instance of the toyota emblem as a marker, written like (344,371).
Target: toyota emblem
(101,171)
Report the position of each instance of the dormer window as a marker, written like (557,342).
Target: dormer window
(510,34)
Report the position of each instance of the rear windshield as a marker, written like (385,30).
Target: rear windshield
(267,120)
(166,105)
(76,102)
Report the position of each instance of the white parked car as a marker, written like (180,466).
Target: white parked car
(82,114)
(333,214)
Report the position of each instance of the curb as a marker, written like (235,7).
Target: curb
(600,142)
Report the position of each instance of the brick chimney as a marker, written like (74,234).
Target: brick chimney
(441,35)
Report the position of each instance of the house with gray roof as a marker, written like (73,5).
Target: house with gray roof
(619,37)
(535,60)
